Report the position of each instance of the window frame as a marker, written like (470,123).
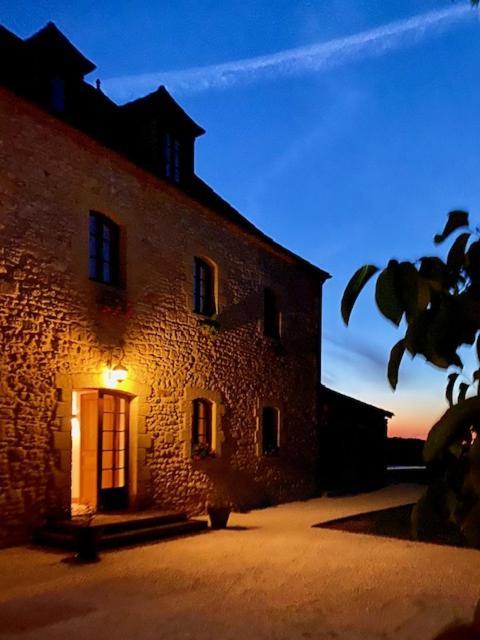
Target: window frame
(274,413)
(57,94)
(202,411)
(271,314)
(217,413)
(97,259)
(172,157)
(204,288)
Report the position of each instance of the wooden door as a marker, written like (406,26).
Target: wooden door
(113,450)
(88,449)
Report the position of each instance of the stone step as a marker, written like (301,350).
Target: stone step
(152,533)
(111,523)
(54,538)
(124,529)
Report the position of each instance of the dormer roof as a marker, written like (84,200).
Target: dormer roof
(53,48)
(161,103)
(7,38)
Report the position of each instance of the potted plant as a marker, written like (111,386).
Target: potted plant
(219,507)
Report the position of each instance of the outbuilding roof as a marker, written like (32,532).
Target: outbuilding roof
(341,397)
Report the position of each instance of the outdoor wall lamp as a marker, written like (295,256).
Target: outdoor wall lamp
(119,373)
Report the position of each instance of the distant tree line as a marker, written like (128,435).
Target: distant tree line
(405,452)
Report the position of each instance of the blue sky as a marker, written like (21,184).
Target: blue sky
(350,149)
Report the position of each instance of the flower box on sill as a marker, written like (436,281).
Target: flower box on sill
(202,452)
(209,325)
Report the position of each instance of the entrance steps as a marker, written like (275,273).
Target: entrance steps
(120,529)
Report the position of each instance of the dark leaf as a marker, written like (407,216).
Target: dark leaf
(452,378)
(456,219)
(428,335)
(387,294)
(456,255)
(454,422)
(456,449)
(407,287)
(462,392)
(396,355)
(473,478)
(471,526)
(353,288)
(472,261)
(423,294)
(449,328)
(465,318)
(434,270)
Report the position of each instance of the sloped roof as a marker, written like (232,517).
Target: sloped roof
(160,101)
(353,401)
(49,42)
(202,192)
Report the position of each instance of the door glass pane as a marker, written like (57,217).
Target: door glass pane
(107,440)
(107,479)
(114,453)
(108,403)
(120,478)
(107,460)
(119,459)
(108,421)
(120,440)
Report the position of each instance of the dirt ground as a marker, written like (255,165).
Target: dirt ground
(270,575)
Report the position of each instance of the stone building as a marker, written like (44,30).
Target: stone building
(352,443)
(154,344)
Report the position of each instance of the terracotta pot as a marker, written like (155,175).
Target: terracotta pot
(218,517)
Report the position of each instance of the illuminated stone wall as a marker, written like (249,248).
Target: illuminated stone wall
(55,338)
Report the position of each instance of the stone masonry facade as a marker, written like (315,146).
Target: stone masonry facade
(58,330)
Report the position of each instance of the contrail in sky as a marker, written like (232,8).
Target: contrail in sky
(290,62)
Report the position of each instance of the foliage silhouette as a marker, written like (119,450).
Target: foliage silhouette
(437,303)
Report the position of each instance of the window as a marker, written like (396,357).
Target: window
(167,150)
(171,153)
(58,94)
(271,315)
(202,423)
(176,161)
(104,249)
(202,434)
(204,288)
(270,431)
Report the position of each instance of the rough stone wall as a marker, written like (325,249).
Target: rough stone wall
(51,325)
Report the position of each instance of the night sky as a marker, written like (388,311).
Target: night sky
(344,129)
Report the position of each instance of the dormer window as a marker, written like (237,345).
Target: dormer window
(58,94)
(172,159)
(176,161)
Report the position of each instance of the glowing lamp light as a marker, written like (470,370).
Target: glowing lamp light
(118,374)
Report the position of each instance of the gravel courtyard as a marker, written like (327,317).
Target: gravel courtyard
(270,575)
